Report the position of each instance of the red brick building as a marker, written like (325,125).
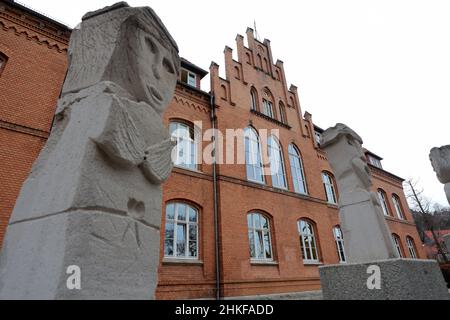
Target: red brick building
(243,228)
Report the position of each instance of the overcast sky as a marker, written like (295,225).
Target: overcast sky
(381,67)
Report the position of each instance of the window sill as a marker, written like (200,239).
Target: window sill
(188,169)
(263,263)
(181,261)
(312,263)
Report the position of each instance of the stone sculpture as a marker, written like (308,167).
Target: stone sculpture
(93,198)
(440,160)
(358,205)
(369,248)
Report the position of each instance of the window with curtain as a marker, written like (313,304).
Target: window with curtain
(308,242)
(186,148)
(276,163)
(181,231)
(411,247)
(259,236)
(396,240)
(254,99)
(339,239)
(253,157)
(398,207)
(383,202)
(328,185)
(298,175)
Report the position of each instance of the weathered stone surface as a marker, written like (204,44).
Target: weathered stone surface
(364,227)
(401,279)
(440,160)
(93,198)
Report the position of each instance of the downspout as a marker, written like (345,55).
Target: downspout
(215,191)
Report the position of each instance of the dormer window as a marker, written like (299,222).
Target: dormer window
(189,78)
(318,137)
(374,161)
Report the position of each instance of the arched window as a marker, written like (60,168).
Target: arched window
(3,60)
(237,73)
(328,185)
(398,207)
(266,65)
(259,236)
(277,75)
(308,241)
(283,117)
(249,60)
(339,239)
(383,202)
(259,60)
(224,92)
(254,99)
(253,157)
(298,175)
(268,104)
(276,163)
(181,231)
(397,243)
(411,247)
(186,148)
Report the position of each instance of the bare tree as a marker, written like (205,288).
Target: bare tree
(425,207)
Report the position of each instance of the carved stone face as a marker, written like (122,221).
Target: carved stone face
(157,71)
(143,66)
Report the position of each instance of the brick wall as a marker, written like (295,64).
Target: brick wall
(30,83)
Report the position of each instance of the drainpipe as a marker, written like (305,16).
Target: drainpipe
(216,209)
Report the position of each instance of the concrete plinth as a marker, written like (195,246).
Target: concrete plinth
(400,279)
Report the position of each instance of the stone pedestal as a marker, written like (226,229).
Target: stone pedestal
(400,279)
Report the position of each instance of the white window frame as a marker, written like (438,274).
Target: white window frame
(186,222)
(318,137)
(374,161)
(276,159)
(253,156)
(190,76)
(411,247)
(254,99)
(311,240)
(298,174)
(396,240)
(178,132)
(329,187)
(255,231)
(383,202)
(398,207)
(268,108)
(339,239)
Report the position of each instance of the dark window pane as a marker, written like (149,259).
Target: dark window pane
(193,232)
(192,249)
(192,215)
(252,244)
(181,211)
(168,247)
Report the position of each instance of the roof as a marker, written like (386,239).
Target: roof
(37,14)
(189,65)
(372,154)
